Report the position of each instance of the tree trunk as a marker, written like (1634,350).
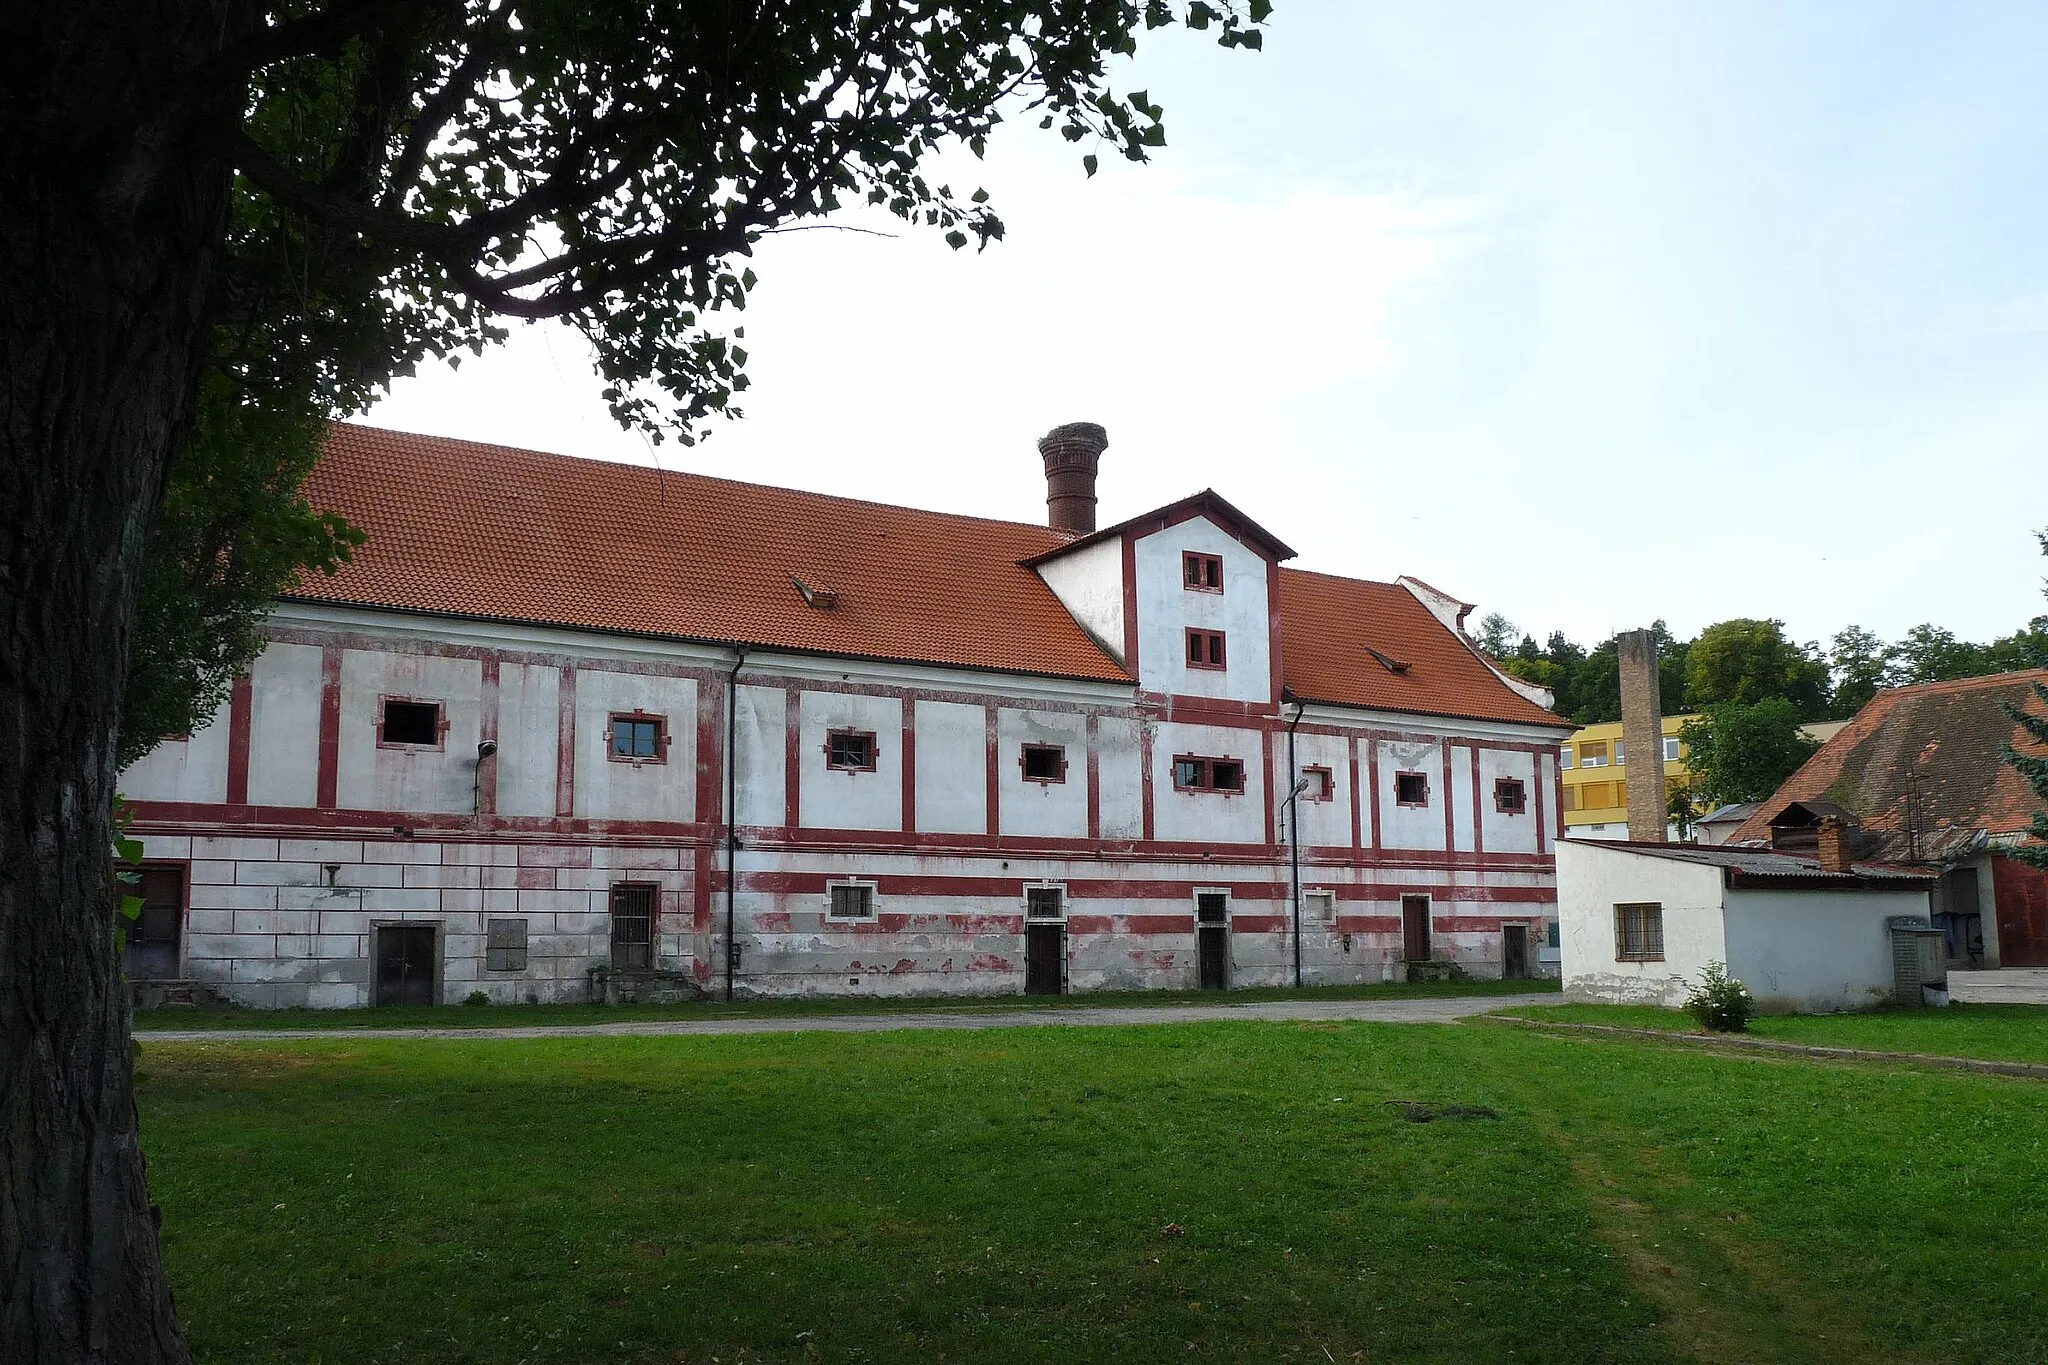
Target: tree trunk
(105,261)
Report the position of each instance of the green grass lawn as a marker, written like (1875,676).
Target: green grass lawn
(511,1016)
(2002,1033)
(1232,1191)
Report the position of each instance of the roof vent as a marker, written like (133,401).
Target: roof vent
(823,599)
(1388,661)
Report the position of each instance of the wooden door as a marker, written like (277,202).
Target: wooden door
(1045,952)
(1514,962)
(1415,929)
(1212,941)
(152,938)
(405,965)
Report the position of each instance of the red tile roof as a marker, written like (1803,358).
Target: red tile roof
(1330,625)
(1921,767)
(462,528)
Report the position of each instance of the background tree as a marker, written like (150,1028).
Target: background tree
(2033,765)
(296,202)
(1931,653)
(1748,661)
(1496,635)
(1861,666)
(1744,751)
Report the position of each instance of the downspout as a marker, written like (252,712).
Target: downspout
(732,810)
(1294,825)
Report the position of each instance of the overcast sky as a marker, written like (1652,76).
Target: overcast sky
(1589,314)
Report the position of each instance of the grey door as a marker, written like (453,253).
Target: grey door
(405,965)
(1212,941)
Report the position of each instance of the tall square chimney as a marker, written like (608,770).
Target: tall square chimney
(1642,737)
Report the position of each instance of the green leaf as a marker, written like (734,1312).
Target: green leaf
(1090,162)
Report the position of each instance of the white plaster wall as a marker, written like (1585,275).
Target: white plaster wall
(284,726)
(1166,609)
(370,778)
(1323,823)
(1509,833)
(952,768)
(1411,826)
(762,749)
(1812,952)
(529,738)
(635,791)
(841,800)
(1592,878)
(1090,583)
(194,769)
(1120,769)
(1462,780)
(1553,802)
(1209,817)
(1047,810)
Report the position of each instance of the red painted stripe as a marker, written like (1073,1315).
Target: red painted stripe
(909,766)
(1145,784)
(1478,813)
(487,729)
(993,774)
(1275,649)
(565,743)
(1130,572)
(241,720)
(1450,818)
(1266,760)
(329,781)
(1094,777)
(1372,755)
(1358,796)
(712,704)
(792,758)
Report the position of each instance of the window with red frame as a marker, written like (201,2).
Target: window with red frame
(639,738)
(850,751)
(1205,649)
(1195,773)
(1200,572)
(1318,784)
(1510,796)
(410,724)
(1044,762)
(1411,789)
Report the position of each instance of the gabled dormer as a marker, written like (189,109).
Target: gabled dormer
(1184,597)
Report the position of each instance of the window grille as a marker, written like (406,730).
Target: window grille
(850,750)
(632,927)
(1044,903)
(1639,932)
(851,900)
(1510,797)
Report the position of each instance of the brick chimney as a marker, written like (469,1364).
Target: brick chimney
(1834,844)
(1642,737)
(1071,453)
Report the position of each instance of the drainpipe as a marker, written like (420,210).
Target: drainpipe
(732,811)
(1294,825)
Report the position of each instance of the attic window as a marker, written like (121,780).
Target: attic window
(1510,796)
(1411,789)
(1205,649)
(1044,763)
(850,751)
(410,723)
(1200,572)
(1388,661)
(820,599)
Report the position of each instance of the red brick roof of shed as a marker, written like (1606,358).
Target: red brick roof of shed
(1948,738)
(469,529)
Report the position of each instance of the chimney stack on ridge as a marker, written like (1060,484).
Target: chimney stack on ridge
(1642,737)
(1834,845)
(1071,453)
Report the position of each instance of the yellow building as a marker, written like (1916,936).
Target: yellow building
(1595,768)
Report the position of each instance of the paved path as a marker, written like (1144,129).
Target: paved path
(1430,1010)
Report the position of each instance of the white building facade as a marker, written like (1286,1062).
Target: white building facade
(533,746)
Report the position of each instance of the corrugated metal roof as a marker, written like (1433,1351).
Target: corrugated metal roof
(1765,864)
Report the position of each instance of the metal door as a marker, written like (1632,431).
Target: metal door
(1514,964)
(1045,951)
(1212,941)
(405,965)
(1415,928)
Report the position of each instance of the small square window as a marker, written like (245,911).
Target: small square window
(639,738)
(1226,775)
(1206,649)
(1639,932)
(850,751)
(850,900)
(1320,906)
(1510,796)
(1045,903)
(1318,784)
(505,946)
(411,722)
(1044,763)
(1673,750)
(1200,572)
(1411,789)
(1593,754)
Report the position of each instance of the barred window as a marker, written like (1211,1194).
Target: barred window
(1510,797)
(1639,932)
(851,900)
(1045,903)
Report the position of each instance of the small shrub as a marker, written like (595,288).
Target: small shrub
(476,998)
(1720,1002)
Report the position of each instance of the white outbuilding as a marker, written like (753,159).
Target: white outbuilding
(1639,923)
